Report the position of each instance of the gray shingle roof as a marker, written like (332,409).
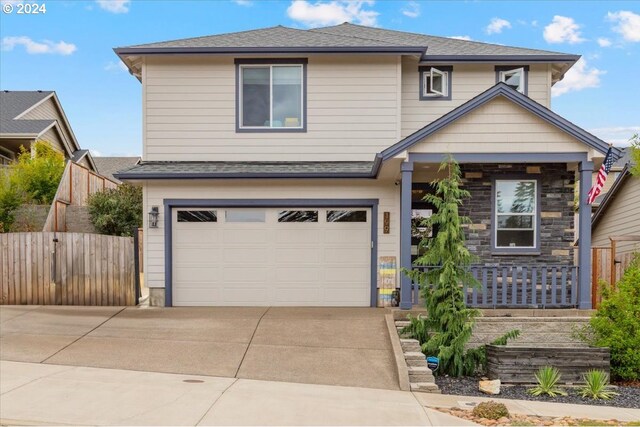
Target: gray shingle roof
(12,103)
(168,170)
(108,166)
(340,36)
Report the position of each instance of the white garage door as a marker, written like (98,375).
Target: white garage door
(272,256)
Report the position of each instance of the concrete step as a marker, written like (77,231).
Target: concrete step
(420,374)
(416,362)
(414,355)
(412,347)
(424,387)
(402,323)
(404,341)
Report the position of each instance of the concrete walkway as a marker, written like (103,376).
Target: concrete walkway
(332,346)
(32,393)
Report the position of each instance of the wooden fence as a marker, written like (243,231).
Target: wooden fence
(76,185)
(608,266)
(67,268)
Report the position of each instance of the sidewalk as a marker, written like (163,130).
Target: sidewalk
(53,394)
(33,393)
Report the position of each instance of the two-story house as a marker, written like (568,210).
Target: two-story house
(283,166)
(30,116)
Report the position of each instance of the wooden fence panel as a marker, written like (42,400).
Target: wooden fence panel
(77,269)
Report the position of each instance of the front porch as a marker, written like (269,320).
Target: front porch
(524,257)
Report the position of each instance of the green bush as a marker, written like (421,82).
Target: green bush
(417,329)
(37,176)
(10,199)
(548,378)
(117,211)
(597,385)
(490,410)
(616,324)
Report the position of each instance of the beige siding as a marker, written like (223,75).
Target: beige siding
(499,127)
(52,136)
(49,111)
(154,193)
(468,81)
(352,110)
(621,218)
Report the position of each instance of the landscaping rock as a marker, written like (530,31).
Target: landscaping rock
(489,386)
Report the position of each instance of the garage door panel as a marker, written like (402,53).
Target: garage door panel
(197,255)
(272,263)
(294,274)
(243,236)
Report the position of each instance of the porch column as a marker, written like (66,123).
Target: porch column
(405,235)
(584,234)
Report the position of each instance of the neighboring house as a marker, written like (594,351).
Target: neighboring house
(108,166)
(614,173)
(283,166)
(619,214)
(29,116)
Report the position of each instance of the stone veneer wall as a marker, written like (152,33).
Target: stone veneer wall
(556,210)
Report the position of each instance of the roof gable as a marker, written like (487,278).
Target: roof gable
(619,183)
(500,89)
(14,104)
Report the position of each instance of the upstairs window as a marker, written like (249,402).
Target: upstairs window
(515,77)
(435,83)
(271,95)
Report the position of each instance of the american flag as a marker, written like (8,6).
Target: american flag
(602,177)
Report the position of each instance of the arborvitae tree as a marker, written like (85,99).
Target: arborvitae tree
(448,319)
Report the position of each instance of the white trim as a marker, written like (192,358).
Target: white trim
(532,214)
(507,73)
(270,66)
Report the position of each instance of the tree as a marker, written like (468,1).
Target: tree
(448,319)
(116,211)
(37,172)
(635,155)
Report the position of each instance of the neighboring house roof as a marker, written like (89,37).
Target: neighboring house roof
(202,170)
(610,195)
(345,38)
(110,166)
(500,89)
(78,155)
(14,103)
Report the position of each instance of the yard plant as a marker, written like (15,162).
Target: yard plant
(490,410)
(32,179)
(597,385)
(616,324)
(547,378)
(449,321)
(117,211)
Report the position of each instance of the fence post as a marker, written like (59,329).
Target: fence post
(136,262)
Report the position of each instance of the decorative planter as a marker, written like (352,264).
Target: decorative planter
(518,364)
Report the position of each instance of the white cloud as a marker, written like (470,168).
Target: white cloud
(115,66)
(627,24)
(35,48)
(95,153)
(563,30)
(467,38)
(604,42)
(497,25)
(114,6)
(616,135)
(243,2)
(579,77)
(333,12)
(412,10)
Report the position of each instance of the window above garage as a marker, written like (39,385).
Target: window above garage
(271,95)
(435,83)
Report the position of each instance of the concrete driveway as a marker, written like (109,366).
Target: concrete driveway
(333,346)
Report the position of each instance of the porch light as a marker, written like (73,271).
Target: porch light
(153,217)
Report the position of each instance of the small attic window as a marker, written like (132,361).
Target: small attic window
(435,83)
(515,77)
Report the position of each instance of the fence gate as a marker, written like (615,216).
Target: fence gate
(49,268)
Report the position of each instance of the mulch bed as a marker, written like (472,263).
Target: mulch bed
(629,396)
(530,420)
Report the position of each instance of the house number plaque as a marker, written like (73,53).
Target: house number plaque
(386,223)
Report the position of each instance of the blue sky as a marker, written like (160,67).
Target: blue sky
(69,49)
